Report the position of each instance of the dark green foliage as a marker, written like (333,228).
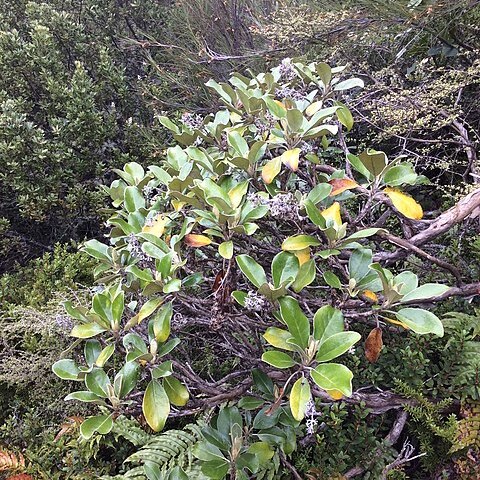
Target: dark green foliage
(35,284)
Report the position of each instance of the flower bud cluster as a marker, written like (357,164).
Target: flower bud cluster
(287,70)
(283,206)
(311,421)
(256,302)
(192,121)
(265,124)
(135,249)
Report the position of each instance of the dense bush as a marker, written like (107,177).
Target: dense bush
(256,177)
(202,283)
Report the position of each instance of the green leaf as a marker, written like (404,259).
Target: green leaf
(98,382)
(359,263)
(133,199)
(348,84)
(163,370)
(66,369)
(367,232)
(225,249)
(126,379)
(409,281)
(420,321)
(345,116)
(97,250)
(327,321)
(375,162)
(252,270)
(324,72)
(278,338)
(400,175)
(238,143)
(84,396)
(250,403)
(356,163)
(160,324)
(206,451)
(262,450)
(284,268)
(295,120)
(278,359)
(102,424)
(427,290)
(319,193)
(87,330)
(337,344)
(147,309)
(275,107)
(306,275)
(331,279)
(299,242)
(156,406)
(91,351)
(168,347)
(299,397)
(176,391)
(216,469)
(315,215)
(333,376)
(295,319)
(262,381)
(173,285)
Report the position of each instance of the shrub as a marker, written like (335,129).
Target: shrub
(259,178)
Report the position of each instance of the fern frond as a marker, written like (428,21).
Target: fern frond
(137,473)
(10,461)
(131,430)
(468,432)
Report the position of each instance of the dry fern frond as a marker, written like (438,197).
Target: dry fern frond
(11,461)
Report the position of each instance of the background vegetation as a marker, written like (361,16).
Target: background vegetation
(83,90)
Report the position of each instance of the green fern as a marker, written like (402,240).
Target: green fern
(162,453)
(435,432)
(462,352)
(131,430)
(468,432)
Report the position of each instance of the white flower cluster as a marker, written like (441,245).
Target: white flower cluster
(255,302)
(192,121)
(283,206)
(287,70)
(311,421)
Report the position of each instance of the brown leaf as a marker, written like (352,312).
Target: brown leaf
(11,461)
(194,240)
(339,185)
(21,476)
(69,426)
(373,345)
(218,280)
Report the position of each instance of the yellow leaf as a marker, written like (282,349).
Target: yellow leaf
(237,193)
(178,205)
(371,295)
(396,322)
(404,203)
(313,108)
(193,240)
(339,185)
(335,394)
(155,226)
(291,158)
(271,169)
(332,213)
(303,255)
